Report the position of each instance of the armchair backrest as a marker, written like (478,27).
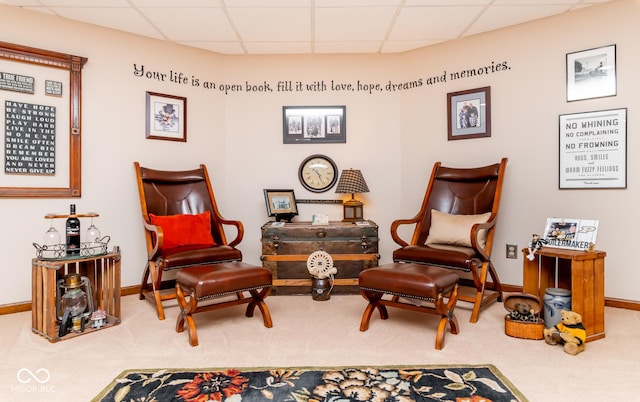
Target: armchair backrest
(179,192)
(461,191)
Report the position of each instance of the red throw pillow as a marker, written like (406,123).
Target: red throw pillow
(185,230)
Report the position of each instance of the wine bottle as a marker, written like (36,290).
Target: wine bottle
(73,232)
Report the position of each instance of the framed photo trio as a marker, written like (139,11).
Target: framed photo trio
(469,114)
(309,124)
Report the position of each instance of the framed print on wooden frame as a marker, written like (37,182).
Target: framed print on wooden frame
(591,73)
(593,150)
(41,92)
(309,124)
(166,117)
(469,114)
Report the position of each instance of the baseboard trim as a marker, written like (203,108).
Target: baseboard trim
(134,290)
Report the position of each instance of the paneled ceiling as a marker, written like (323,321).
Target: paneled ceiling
(304,26)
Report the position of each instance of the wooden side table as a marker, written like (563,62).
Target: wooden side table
(582,272)
(103,272)
(285,250)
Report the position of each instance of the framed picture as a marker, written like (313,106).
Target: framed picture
(591,73)
(469,114)
(281,204)
(166,117)
(40,91)
(309,124)
(593,149)
(575,234)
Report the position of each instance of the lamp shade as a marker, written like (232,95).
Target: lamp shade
(351,181)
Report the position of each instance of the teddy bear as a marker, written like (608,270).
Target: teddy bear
(569,332)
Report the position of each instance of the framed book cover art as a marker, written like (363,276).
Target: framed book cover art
(469,114)
(574,234)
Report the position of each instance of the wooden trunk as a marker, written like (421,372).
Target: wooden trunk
(285,250)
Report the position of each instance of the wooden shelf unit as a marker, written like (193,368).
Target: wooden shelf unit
(581,272)
(103,272)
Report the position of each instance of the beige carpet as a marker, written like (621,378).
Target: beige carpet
(314,333)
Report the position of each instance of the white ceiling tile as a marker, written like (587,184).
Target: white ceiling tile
(267,4)
(304,26)
(495,16)
(348,47)
(357,3)
(85,3)
(278,47)
(433,23)
(439,3)
(123,19)
(191,24)
(22,3)
(352,23)
(174,4)
(40,10)
(391,46)
(218,47)
(272,24)
(535,3)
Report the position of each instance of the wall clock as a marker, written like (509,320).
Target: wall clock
(318,173)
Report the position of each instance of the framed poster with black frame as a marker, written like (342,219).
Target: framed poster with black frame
(593,149)
(314,124)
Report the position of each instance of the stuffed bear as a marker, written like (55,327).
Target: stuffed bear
(569,332)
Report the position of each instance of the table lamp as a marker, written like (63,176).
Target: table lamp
(352,181)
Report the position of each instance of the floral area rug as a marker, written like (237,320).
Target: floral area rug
(344,384)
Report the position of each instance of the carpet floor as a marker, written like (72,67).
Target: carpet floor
(308,333)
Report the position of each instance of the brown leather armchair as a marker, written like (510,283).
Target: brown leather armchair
(461,198)
(169,193)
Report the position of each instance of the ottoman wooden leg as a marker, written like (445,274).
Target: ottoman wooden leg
(374,299)
(185,318)
(447,316)
(258,301)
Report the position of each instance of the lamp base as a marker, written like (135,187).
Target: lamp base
(353,211)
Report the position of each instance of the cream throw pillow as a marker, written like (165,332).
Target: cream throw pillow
(455,229)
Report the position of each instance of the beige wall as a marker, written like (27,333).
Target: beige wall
(393,137)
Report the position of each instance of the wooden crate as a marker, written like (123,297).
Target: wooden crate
(582,272)
(103,273)
(285,250)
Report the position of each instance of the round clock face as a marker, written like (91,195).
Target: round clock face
(318,173)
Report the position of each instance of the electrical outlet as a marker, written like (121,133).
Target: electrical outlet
(512,251)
